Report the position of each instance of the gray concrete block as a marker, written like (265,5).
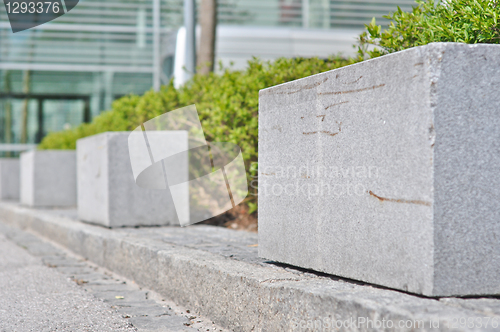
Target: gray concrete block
(9,178)
(48,178)
(107,192)
(386,171)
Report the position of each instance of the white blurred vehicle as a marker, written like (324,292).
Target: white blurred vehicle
(237,44)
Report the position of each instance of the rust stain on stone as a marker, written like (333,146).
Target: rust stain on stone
(344,102)
(383,199)
(351,91)
(321,116)
(356,81)
(305,87)
(325,131)
(321,131)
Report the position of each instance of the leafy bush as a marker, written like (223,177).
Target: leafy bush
(462,21)
(227,104)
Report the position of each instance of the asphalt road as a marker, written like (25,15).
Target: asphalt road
(44,289)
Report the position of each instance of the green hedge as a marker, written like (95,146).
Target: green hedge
(227,103)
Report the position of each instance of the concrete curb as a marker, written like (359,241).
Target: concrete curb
(216,272)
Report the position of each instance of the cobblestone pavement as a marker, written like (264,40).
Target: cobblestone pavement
(45,288)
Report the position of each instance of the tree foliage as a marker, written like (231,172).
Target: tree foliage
(461,21)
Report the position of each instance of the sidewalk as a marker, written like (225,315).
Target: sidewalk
(33,297)
(44,287)
(216,272)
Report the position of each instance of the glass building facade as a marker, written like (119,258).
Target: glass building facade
(65,72)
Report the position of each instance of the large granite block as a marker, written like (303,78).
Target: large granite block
(387,171)
(48,178)
(9,178)
(107,192)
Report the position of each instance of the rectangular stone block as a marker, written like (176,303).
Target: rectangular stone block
(48,178)
(9,178)
(107,192)
(387,171)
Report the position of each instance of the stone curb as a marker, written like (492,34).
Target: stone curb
(216,272)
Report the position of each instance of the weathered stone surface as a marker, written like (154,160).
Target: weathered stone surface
(9,178)
(48,178)
(386,171)
(107,192)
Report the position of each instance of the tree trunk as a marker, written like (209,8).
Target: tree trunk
(208,23)
(24,114)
